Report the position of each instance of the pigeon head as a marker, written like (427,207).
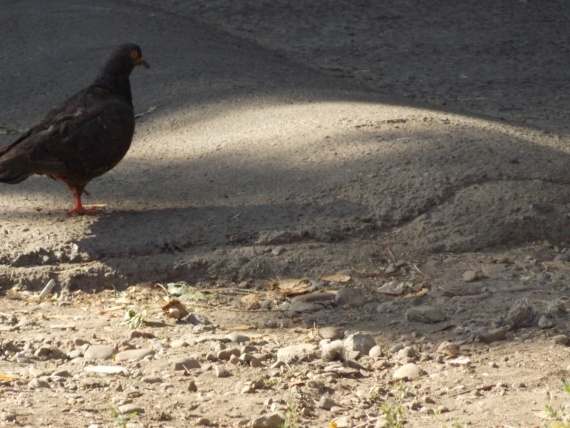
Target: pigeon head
(114,75)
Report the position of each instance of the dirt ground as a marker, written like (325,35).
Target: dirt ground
(416,146)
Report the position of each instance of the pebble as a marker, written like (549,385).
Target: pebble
(321,296)
(226,354)
(37,383)
(105,370)
(272,420)
(238,338)
(493,335)
(130,408)
(99,352)
(326,403)
(407,372)
(203,422)
(220,371)
(185,363)
(134,354)
(300,352)
(151,379)
(375,352)
(544,322)
(350,297)
(359,342)
(332,333)
(471,275)
(425,314)
(560,339)
(344,422)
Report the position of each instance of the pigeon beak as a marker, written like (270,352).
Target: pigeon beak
(141,61)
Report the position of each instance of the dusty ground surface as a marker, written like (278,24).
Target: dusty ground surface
(283,140)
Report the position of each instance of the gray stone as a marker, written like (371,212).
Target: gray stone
(359,342)
(272,420)
(105,370)
(326,403)
(407,372)
(332,333)
(300,352)
(493,335)
(99,352)
(185,363)
(220,371)
(126,409)
(237,337)
(134,354)
(151,379)
(544,322)
(350,297)
(560,339)
(375,352)
(425,314)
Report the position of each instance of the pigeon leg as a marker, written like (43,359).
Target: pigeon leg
(78,207)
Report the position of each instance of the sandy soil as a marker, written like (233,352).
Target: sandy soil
(290,140)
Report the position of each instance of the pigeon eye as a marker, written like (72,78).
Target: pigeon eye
(134,54)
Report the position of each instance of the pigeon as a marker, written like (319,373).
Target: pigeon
(85,136)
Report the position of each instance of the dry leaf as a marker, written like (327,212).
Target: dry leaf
(291,287)
(4,378)
(336,278)
(175,309)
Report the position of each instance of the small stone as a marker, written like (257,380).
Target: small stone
(471,275)
(105,370)
(151,379)
(544,322)
(375,352)
(37,383)
(272,420)
(332,333)
(179,343)
(185,363)
(344,422)
(359,342)
(300,352)
(237,337)
(326,403)
(134,354)
(226,354)
(203,422)
(425,314)
(130,408)
(99,352)
(560,339)
(351,297)
(408,372)
(493,335)
(220,371)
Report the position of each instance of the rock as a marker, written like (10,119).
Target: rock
(300,352)
(560,339)
(332,351)
(359,342)
(105,370)
(37,383)
(521,314)
(220,371)
(425,314)
(151,379)
(493,335)
(126,409)
(354,297)
(47,289)
(237,337)
(99,352)
(408,372)
(134,354)
(544,322)
(226,354)
(332,333)
(326,403)
(272,420)
(203,422)
(178,343)
(472,275)
(375,352)
(185,363)
(321,296)
(303,307)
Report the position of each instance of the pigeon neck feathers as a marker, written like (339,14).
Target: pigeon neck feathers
(114,76)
